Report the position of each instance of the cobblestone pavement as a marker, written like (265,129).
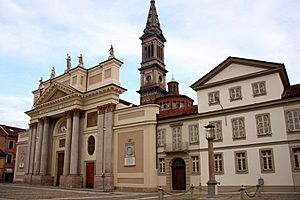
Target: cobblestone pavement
(16,191)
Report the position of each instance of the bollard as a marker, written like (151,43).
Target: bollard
(192,191)
(242,192)
(160,193)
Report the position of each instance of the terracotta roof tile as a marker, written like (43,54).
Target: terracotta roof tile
(291,91)
(178,112)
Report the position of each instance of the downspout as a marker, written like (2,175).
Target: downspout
(156,129)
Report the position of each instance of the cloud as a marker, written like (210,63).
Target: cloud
(12,110)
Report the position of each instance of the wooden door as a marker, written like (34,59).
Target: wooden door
(89,175)
(178,178)
(60,167)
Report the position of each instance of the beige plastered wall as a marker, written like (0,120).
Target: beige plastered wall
(138,124)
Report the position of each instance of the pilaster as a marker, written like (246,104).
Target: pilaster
(37,157)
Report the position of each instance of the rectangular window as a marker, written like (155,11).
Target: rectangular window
(195,164)
(92,119)
(293,120)
(218,130)
(193,133)
(10,144)
(9,158)
(238,128)
(161,137)
(176,137)
(263,124)
(266,160)
(162,166)
(235,93)
(259,88)
(214,98)
(296,158)
(219,163)
(241,162)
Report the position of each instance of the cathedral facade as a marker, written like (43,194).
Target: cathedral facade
(81,134)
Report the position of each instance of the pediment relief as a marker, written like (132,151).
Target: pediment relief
(55,91)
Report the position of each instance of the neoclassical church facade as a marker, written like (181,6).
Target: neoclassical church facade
(81,134)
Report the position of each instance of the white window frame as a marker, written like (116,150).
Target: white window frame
(241,165)
(12,158)
(176,137)
(219,163)
(238,128)
(161,137)
(218,130)
(295,157)
(194,133)
(162,165)
(235,93)
(259,88)
(195,164)
(13,144)
(263,124)
(213,98)
(293,120)
(267,160)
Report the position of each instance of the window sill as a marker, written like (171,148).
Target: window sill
(264,135)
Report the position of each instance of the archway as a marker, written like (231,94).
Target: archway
(178,174)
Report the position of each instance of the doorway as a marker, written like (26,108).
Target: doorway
(178,174)
(89,175)
(60,166)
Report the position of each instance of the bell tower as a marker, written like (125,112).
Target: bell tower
(152,71)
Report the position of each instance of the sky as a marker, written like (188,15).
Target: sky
(36,35)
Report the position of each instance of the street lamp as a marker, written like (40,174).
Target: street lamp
(212,183)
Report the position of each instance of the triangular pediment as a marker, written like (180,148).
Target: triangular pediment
(54,92)
(235,68)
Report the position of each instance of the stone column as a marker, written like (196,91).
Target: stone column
(68,144)
(29,144)
(45,148)
(37,157)
(32,151)
(75,143)
(99,150)
(104,151)
(108,148)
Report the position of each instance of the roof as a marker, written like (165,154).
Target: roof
(291,91)
(243,61)
(178,112)
(10,130)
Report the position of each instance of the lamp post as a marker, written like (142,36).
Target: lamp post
(212,183)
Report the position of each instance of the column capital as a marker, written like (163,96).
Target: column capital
(76,112)
(111,107)
(41,120)
(101,109)
(68,113)
(106,108)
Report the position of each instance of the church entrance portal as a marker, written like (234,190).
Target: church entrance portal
(60,166)
(178,174)
(89,175)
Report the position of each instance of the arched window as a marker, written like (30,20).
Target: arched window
(91,145)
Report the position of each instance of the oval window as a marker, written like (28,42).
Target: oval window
(91,145)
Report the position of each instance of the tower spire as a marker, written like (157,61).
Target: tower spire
(153,25)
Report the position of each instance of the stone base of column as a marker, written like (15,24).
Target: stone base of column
(212,188)
(71,181)
(27,178)
(42,180)
(104,182)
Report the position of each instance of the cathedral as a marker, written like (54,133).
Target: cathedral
(82,135)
